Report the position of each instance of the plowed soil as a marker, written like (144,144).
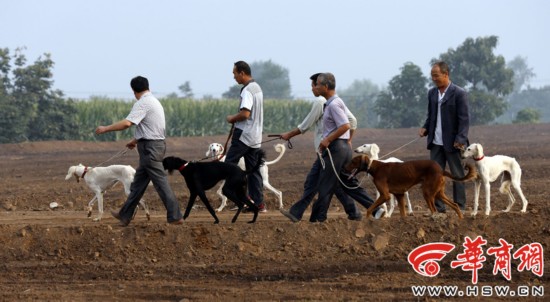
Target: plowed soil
(59,254)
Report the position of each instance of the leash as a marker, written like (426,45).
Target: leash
(336,172)
(403,146)
(277,136)
(227,141)
(118,154)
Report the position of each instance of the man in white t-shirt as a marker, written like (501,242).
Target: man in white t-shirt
(247,135)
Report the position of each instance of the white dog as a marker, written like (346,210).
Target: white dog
(372,151)
(488,170)
(215,150)
(100,179)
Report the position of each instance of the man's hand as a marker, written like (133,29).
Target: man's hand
(101,129)
(324,144)
(131,144)
(458,145)
(422,132)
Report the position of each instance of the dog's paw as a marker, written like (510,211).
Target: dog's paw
(97,219)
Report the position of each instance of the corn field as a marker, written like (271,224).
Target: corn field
(185,117)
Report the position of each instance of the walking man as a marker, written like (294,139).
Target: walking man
(148,116)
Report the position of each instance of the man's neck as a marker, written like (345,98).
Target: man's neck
(329,94)
(140,94)
(444,87)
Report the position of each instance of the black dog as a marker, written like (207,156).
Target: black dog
(201,176)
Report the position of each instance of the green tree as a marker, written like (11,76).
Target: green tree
(272,77)
(527,116)
(186,90)
(536,98)
(33,110)
(12,127)
(474,66)
(522,73)
(360,98)
(403,103)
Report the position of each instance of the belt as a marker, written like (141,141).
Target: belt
(149,140)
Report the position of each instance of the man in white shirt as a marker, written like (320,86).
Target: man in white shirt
(247,135)
(148,116)
(311,185)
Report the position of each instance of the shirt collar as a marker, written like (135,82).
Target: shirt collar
(331,99)
(148,93)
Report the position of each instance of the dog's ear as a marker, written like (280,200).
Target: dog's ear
(375,149)
(70,173)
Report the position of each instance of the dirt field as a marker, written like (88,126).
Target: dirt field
(61,255)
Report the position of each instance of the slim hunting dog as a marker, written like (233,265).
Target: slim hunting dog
(372,151)
(489,168)
(201,176)
(101,179)
(215,150)
(398,178)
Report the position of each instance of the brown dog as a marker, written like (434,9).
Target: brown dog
(398,178)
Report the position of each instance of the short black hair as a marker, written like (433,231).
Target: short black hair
(139,84)
(243,66)
(314,77)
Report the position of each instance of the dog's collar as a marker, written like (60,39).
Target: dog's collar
(84,173)
(183,166)
(478,159)
(362,166)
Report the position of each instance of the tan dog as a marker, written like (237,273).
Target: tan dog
(398,178)
(372,151)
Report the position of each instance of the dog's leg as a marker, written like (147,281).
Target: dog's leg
(90,205)
(209,207)
(429,197)
(253,206)
(401,203)
(240,208)
(99,207)
(276,192)
(387,213)
(384,197)
(393,203)
(520,193)
(477,189)
(240,199)
(224,199)
(190,205)
(146,208)
(441,195)
(409,207)
(487,188)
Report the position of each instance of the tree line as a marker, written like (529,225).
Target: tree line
(499,92)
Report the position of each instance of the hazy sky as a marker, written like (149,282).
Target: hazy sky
(99,45)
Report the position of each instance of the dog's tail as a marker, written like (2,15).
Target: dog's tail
(259,162)
(280,148)
(472,174)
